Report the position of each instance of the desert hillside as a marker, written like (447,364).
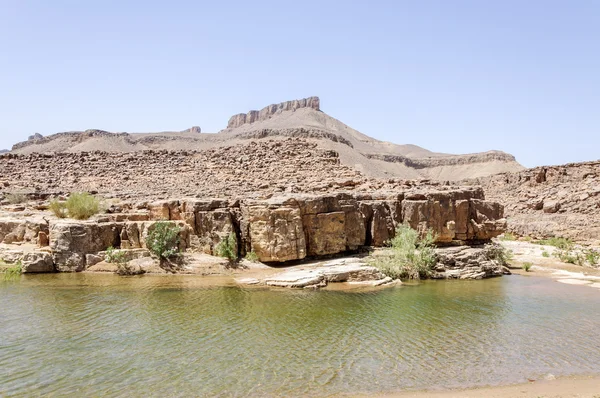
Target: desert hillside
(299,119)
(562,201)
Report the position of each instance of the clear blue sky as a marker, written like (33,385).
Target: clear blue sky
(451,76)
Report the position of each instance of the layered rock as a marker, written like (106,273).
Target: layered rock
(468,262)
(279,229)
(271,110)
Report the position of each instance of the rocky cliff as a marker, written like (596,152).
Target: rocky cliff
(280,229)
(269,111)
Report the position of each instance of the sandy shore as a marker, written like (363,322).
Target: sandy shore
(580,386)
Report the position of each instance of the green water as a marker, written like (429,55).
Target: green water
(95,335)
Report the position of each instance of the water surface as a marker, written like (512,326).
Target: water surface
(83,335)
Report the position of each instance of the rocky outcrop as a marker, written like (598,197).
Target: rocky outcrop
(439,161)
(344,270)
(194,130)
(271,110)
(468,262)
(549,201)
(279,229)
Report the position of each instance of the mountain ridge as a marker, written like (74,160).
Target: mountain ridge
(297,119)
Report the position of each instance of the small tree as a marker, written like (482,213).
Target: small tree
(163,239)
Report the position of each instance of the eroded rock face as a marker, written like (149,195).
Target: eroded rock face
(279,229)
(466,262)
(269,111)
(71,241)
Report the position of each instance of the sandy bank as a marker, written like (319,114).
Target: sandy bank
(580,386)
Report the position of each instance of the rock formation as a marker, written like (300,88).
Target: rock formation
(269,111)
(280,229)
(549,201)
(297,119)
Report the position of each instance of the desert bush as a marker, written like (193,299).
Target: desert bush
(115,257)
(501,254)
(566,256)
(163,239)
(82,205)
(11,272)
(545,254)
(58,208)
(252,256)
(592,256)
(412,256)
(508,236)
(527,266)
(560,243)
(227,247)
(15,198)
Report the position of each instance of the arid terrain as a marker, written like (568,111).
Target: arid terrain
(562,201)
(298,119)
(294,147)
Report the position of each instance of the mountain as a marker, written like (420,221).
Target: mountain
(299,118)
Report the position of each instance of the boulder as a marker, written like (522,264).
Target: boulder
(551,206)
(37,262)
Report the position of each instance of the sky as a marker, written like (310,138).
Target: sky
(454,76)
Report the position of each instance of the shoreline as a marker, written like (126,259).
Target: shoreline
(581,386)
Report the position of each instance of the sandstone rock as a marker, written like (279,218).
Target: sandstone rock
(319,276)
(325,233)
(276,230)
(37,262)
(467,262)
(71,241)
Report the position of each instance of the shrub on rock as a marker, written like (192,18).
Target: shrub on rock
(163,239)
(82,205)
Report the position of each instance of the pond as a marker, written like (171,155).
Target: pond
(102,335)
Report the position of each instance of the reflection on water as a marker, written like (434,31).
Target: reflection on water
(82,335)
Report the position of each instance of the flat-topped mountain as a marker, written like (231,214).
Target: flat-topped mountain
(297,119)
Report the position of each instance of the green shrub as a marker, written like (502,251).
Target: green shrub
(11,272)
(526,266)
(163,239)
(58,208)
(412,256)
(252,256)
(115,257)
(227,247)
(545,254)
(82,205)
(500,254)
(15,198)
(508,236)
(560,243)
(592,256)
(566,256)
